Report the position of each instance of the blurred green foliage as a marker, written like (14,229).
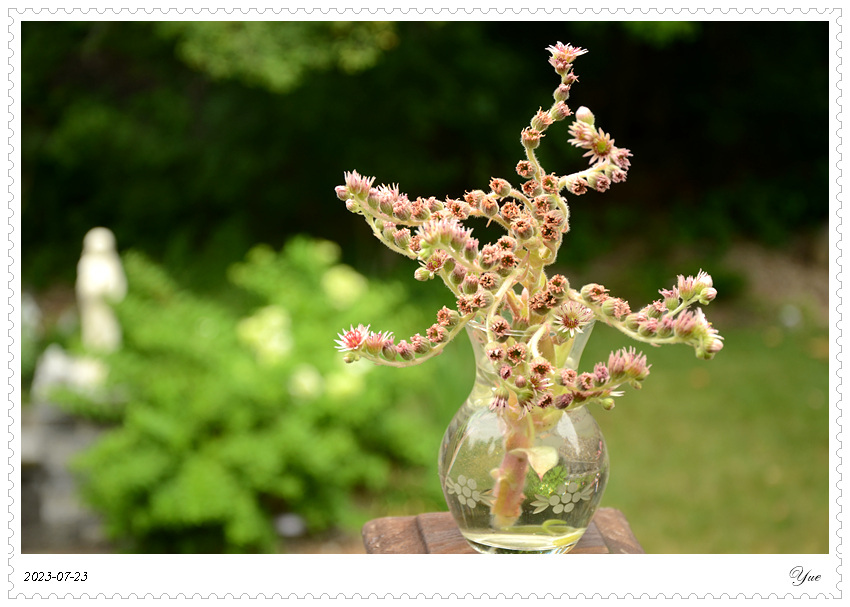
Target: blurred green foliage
(192,141)
(221,416)
(278,55)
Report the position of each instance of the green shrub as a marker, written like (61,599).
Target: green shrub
(229,414)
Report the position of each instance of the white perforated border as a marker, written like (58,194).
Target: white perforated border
(429,576)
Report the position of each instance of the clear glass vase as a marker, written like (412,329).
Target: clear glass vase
(522,481)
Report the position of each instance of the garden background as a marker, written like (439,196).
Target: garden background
(212,150)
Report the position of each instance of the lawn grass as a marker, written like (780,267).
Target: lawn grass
(725,456)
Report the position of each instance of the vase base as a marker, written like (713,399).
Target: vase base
(523,543)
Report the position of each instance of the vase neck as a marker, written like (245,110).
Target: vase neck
(561,352)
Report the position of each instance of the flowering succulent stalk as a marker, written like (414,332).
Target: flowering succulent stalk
(530,318)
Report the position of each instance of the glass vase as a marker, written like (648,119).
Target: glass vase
(517,480)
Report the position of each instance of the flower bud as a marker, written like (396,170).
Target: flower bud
(567,377)
(402,210)
(584,115)
(564,400)
(654,310)
(405,350)
(500,399)
(685,324)
(470,249)
(388,231)
(420,344)
(342,192)
(714,346)
(648,328)
(500,187)
(475,197)
(469,284)
(707,295)
(666,326)
(389,350)
(457,275)
(484,299)
(385,203)
(531,188)
(599,182)
(423,274)
(351,357)
(523,227)
(531,137)
(541,120)
(525,169)
(562,93)
(632,322)
(560,111)
(447,317)
(402,238)
(594,293)
(607,403)
(489,207)
(437,333)
(495,351)
(373,199)
(419,209)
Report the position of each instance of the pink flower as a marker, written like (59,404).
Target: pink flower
(578,186)
(500,399)
(500,187)
(601,373)
(495,352)
(586,381)
(531,137)
(560,111)
(541,120)
(594,293)
(516,353)
(558,284)
(567,377)
(616,307)
(563,55)
(582,134)
(446,317)
(571,317)
(357,185)
(475,197)
(601,183)
(374,343)
(352,339)
(621,158)
(499,326)
(531,188)
(540,366)
(525,169)
(436,333)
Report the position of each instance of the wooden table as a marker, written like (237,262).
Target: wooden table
(437,533)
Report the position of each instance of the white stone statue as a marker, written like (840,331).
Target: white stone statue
(100,283)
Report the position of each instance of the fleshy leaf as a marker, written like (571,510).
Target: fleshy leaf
(541,459)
